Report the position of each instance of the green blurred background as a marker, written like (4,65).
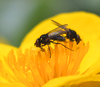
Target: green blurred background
(18,17)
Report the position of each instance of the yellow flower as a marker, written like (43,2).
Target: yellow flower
(28,66)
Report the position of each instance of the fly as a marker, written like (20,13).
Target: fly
(51,37)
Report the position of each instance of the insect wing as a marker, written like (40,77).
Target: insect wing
(56,23)
(56,32)
(60,25)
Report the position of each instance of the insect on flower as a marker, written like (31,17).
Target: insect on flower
(51,37)
(70,34)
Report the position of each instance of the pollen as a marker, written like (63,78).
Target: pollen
(33,68)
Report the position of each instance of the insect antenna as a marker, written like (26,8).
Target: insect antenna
(62,45)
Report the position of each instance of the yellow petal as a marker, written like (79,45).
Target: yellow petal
(5,83)
(87,25)
(4,49)
(75,81)
(11,85)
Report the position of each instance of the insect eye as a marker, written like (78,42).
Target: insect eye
(37,43)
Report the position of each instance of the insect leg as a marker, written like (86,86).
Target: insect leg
(42,48)
(49,51)
(62,45)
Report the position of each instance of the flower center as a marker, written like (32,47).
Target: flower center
(34,67)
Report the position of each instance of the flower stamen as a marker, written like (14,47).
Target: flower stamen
(35,68)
